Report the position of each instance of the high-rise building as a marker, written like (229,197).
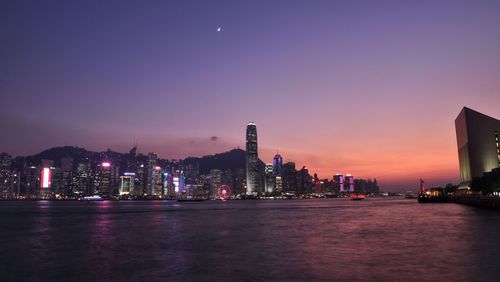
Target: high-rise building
(82,179)
(5,174)
(66,175)
(304,181)
(478,146)
(289,178)
(151,176)
(252,160)
(127,184)
(338,182)
(215,182)
(46,175)
(350,180)
(270,178)
(278,185)
(104,178)
(278,165)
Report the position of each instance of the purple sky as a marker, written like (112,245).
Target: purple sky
(370,88)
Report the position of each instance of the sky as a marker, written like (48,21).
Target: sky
(370,88)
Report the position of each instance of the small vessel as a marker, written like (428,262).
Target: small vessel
(91,198)
(357,197)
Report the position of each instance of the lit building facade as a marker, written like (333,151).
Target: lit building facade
(127,184)
(278,165)
(215,182)
(252,160)
(270,178)
(477,142)
(339,182)
(5,174)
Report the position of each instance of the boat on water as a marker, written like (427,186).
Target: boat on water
(357,197)
(431,195)
(91,198)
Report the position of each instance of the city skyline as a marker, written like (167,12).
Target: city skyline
(369,89)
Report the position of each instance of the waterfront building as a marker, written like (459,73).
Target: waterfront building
(82,181)
(477,142)
(140,181)
(278,165)
(252,160)
(151,174)
(127,184)
(5,174)
(104,186)
(46,175)
(215,182)
(289,178)
(339,182)
(66,176)
(278,187)
(350,182)
(270,178)
(304,181)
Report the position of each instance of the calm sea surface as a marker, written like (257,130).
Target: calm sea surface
(325,239)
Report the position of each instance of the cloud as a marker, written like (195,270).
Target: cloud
(214,138)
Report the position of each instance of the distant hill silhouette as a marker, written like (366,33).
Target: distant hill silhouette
(233,159)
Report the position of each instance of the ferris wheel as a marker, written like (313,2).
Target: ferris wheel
(224,192)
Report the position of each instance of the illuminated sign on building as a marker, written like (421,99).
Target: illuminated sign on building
(106,164)
(176,184)
(45,178)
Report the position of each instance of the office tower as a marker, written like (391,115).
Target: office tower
(304,181)
(104,186)
(270,178)
(127,184)
(140,181)
(66,176)
(252,160)
(278,185)
(350,180)
(46,174)
(151,174)
(215,182)
(478,146)
(278,165)
(289,178)
(82,184)
(5,174)
(339,182)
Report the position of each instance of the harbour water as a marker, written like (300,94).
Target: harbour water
(376,239)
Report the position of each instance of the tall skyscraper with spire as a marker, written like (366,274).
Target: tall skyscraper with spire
(252,160)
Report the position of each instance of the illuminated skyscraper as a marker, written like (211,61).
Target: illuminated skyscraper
(5,173)
(270,179)
(127,184)
(278,165)
(105,178)
(151,176)
(252,160)
(477,140)
(215,182)
(339,182)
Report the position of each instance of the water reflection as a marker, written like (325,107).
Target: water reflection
(378,240)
